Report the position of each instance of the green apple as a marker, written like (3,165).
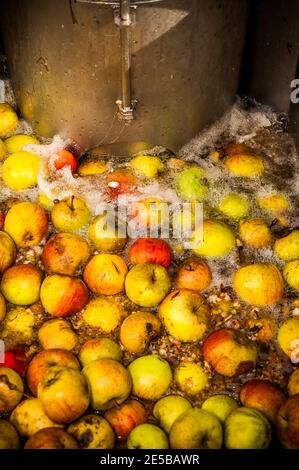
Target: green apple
(147,284)
(168,409)
(99,348)
(151,377)
(147,436)
(218,239)
(70,214)
(246,428)
(148,166)
(234,206)
(220,405)
(21,284)
(190,377)
(192,184)
(196,429)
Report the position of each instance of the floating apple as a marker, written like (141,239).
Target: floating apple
(62,296)
(293,383)
(193,274)
(107,235)
(20,170)
(15,143)
(19,326)
(51,438)
(109,381)
(259,284)
(244,165)
(120,182)
(8,119)
(137,330)
(192,184)
(185,315)
(26,223)
(190,377)
(57,333)
(43,360)
(150,250)
(147,436)
(264,396)
(147,284)
(148,166)
(104,313)
(234,206)
(291,274)
(220,405)
(218,239)
(288,338)
(65,158)
(230,352)
(29,417)
(247,428)
(92,167)
(151,376)
(20,284)
(168,409)
(274,203)
(126,417)
(105,274)
(255,233)
(196,429)
(11,389)
(99,348)
(70,214)
(150,213)
(8,251)
(93,432)
(9,438)
(65,253)
(287,248)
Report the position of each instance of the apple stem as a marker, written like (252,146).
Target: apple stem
(72,203)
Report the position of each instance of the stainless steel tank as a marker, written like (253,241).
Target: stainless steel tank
(122,71)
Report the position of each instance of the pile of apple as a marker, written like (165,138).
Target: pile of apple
(80,322)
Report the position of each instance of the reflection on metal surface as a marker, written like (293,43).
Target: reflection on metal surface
(121,149)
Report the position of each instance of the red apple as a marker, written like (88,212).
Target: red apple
(126,417)
(264,396)
(193,274)
(16,360)
(119,182)
(287,423)
(65,158)
(43,360)
(51,438)
(150,250)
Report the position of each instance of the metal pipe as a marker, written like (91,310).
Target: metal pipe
(125,22)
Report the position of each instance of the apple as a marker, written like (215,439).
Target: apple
(8,251)
(291,274)
(255,233)
(21,283)
(150,250)
(218,239)
(293,383)
(185,315)
(105,274)
(92,167)
(51,438)
(62,296)
(15,143)
(11,389)
(264,396)
(104,313)
(99,348)
(274,203)
(93,432)
(9,438)
(45,201)
(147,284)
(234,206)
(26,223)
(235,149)
(120,182)
(287,423)
(2,308)
(107,235)
(287,248)
(147,166)
(43,360)
(244,165)
(149,213)
(147,436)
(246,428)
(192,184)
(220,405)
(65,158)
(126,417)
(109,381)
(65,253)
(57,334)
(137,331)
(19,326)
(193,274)
(168,409)
(8,119)
(230,352)
(190,377)
(259,284)
(70,214)
(196,429)
(64,394)
(288,338)
(29,417)
(20,170)
(151,377)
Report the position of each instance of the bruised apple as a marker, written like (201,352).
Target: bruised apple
(57,333)
(11,389)
(230,352)
(43,360)
(137,330)
(109,381)
(99,348)
(51,438)
(105,274)
(255,233)
(21,283)
(9,438)
(64,394)
(19,326)
(29,417)
(263,396)
(151,376)
(193,274)
(147,284)
(8,251)
(65,253)
(93,432)
(104,313)
(62,296)
(150,250)
(26,223)
(287,423)
(126,417)
(70,214)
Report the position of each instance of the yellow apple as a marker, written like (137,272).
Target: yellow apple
(220,405)
(45,202)
(137,330)
(15,143)
(105,274)
(234,206)
(168,409)
(11,389)
(190,377)
(255,233)
(8,251)
(26,223)
(21,283)
(20,170)
(29,417)
(291,274)
(70,214)
(9,438)
(92,167)
(288,338)
(244,165)
(99,348)
(287,248)
(106,236)
(218,239)
(104,313)
(147,284)
(247,428)
(275,203)
(147,436)
(8,119)
(147,166)
(151,376)
(57,333)
(19,326)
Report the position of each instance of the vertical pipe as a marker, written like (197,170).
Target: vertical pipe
(125,22)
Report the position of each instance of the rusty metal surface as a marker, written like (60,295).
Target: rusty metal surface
(64,59)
